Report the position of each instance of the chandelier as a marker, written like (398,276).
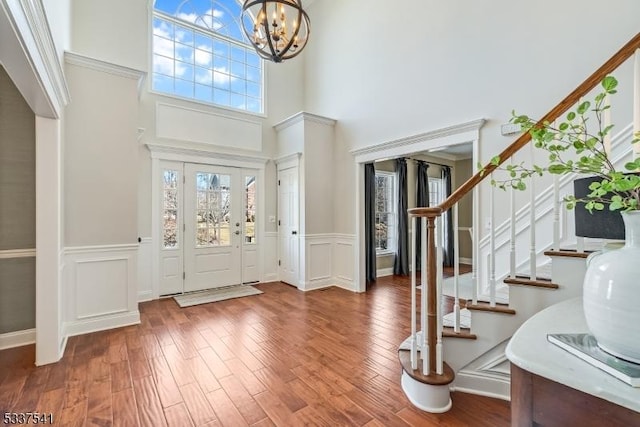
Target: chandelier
(278,29)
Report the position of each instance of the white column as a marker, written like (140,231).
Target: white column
(424,292)
(439,276)
(49,241)
(556,213)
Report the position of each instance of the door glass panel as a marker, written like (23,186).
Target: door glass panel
(250,209)
(213,204)
(170,209)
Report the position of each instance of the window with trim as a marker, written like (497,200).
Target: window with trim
(386,217)
(200,52)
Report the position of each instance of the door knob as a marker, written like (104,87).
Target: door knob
(237,231)
(294,232)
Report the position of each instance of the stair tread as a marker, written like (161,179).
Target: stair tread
(464,333)
(405,360)
(485,306)
(569,253)
(526,281)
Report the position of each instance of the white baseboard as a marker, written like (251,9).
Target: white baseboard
(384,272)
(145,296)
(345,284)
(313,285)
(468,261)
(17,339)
(497,387)
(101,323)
(273,277)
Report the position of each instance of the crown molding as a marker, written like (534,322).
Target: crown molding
(103,66)
(472,126)
(303,116)
(30,24)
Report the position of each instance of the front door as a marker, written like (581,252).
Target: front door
(213,229)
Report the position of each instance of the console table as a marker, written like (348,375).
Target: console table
(551,387)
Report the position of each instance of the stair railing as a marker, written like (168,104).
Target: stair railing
(426,344)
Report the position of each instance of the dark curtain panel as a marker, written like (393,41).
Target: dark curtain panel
(370,220)
(422,201)
(401,263)
(448,220)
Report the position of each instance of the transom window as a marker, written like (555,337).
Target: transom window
(200,52)
(386,218)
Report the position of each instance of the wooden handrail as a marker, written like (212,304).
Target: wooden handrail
(592,81)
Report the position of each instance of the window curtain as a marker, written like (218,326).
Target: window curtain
(422,201)
(448,220)
(370,220)
(401,263)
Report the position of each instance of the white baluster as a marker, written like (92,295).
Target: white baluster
(456,270)
(439,277)
(492,246)
(636,101)
(556,212)
(414,307)
(532,221)
(424,349)
(580,244)
(475,244)
(512,250)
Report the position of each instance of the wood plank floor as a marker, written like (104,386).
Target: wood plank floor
(283,358)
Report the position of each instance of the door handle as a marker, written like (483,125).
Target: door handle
(294,232)
(237,231)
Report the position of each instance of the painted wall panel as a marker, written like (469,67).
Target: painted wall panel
(17,169)
(17,294)
(101,159)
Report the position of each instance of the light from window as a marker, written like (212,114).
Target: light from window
(385,211)
(213,209)
(436,191)
(250,209)
(170,209)
(200,52)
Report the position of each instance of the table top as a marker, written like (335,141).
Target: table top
(530,350)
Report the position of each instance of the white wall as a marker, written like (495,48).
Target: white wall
(441,63)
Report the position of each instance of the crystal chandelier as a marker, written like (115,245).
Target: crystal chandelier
(278,29)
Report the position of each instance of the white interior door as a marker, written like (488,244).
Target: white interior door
(171,235)
(213,227)
(288,225)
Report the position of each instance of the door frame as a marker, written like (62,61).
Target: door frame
(435,139)
(186,155)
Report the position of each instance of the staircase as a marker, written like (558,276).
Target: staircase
(468,353)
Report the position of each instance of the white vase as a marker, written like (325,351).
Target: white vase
(612,293)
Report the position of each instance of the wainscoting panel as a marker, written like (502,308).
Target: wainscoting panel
(343,260)
(101,288)
(145,287)
(318,261)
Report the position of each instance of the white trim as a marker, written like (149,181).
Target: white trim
(455,130)
(100,249)
(288,161)
(30,24)
(210,157)
(465,260)
(103,66)
(17,253)
(17,339)
(303,116)
(102,323)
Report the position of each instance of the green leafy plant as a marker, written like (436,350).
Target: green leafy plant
(573,148)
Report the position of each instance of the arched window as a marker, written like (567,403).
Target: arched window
(200,52)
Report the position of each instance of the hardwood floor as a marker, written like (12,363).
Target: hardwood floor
(283,358)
